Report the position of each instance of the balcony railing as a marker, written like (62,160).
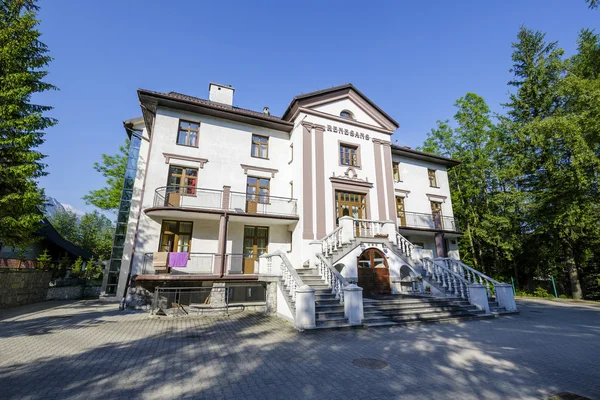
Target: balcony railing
(211,199)
(197,264)
(261,204)
(427,221)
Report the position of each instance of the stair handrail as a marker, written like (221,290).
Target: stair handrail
(332,277)
(332,241)
(290,277)
(405,245)
(470,273)
(447,278)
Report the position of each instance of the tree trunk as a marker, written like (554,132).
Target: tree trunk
(472,246)
(573,275)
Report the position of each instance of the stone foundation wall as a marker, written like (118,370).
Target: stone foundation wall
(23,287)
(65,292)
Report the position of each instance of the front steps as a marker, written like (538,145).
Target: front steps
(402,310)
(329,312)
(391,310)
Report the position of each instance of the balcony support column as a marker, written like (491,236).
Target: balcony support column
(225,200)
(219,265)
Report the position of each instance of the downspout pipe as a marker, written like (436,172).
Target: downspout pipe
(223,249)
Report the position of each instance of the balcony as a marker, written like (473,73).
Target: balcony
(428,221)
(188,197)
(198,265)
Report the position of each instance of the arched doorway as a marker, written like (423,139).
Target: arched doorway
(373,272)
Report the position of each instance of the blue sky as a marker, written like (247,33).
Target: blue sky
(413,58)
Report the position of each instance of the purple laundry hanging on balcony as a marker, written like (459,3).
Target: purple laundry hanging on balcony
(178,259)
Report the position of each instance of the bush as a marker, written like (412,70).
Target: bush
(541,292)
(563,296)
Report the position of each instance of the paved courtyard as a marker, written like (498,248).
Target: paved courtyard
(87,349)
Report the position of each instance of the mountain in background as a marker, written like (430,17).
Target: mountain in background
(54,206)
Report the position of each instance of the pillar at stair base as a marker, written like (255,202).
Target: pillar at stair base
(305,308)
(353,304)
(348,231)
(315,247)
(505,296)
(478,297)
(389,228)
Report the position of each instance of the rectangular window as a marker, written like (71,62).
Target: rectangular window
(188,133)
(349,155)
(257,190)
(260,146)
(396,171)
(182,180)
(176,236)
(400,211)
(432,180)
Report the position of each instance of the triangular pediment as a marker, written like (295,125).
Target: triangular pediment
(340,100)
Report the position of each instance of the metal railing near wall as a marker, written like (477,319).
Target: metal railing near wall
(188,197)
(262,204)
(428,221)
(189,300)
(198,264)
(212,199)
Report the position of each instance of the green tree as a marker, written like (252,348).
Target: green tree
(22,123)
(113,169)
(44,260)
(592,4)
(96,234)
(76,268)
(93,232)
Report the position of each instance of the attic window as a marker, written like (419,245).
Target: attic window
(346,114)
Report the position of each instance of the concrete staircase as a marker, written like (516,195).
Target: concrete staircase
(329,312)
(402,310)
(494,307)
(385,310)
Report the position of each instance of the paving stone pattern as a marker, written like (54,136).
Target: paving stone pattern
(88,349)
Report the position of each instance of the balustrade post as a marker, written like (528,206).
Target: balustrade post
(389,228)
(305,308)
(315,247)
(478,297)
(505,296)
(348,231)
(353,304)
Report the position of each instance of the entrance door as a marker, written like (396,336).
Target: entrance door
(350,205)
(373,272)
(256,243)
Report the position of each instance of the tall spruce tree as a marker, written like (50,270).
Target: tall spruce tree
(23,58)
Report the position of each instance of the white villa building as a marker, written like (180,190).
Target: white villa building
(316,215)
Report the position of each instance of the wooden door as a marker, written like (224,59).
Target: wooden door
(436,213)
(400,210)
(256,243)
(350,205)
(373,272)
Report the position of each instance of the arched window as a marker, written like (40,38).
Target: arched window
(346,114)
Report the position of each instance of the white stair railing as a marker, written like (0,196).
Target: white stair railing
(368,227)
(332,277)
(446,278)
(405,245)
(470,274)
(332,242)
(290,278)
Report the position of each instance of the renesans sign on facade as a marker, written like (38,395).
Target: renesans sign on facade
(343,131)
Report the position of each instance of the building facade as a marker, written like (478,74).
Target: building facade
(227,185)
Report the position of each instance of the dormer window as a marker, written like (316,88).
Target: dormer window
(346,114)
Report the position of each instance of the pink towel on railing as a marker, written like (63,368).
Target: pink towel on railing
(178,259)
